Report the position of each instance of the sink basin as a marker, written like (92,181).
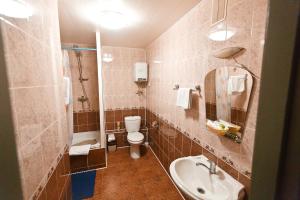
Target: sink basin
(198,183)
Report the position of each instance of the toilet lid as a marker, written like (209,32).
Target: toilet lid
(135,136)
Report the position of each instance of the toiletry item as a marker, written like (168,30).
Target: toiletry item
(154,124)
(217,127)
(118,126)
(233,137)
(232,127)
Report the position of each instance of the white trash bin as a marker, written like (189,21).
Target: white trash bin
(111,142)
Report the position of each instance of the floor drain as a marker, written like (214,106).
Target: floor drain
(200,190)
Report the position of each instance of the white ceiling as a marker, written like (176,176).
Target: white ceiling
(156,16)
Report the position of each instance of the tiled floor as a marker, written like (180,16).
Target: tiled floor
(128,179)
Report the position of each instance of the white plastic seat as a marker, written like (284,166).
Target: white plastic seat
(135,138)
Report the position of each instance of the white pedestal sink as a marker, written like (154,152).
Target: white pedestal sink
(198,183)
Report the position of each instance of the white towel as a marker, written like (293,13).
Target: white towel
(79,150)
(67,83)
(184,98)
(236,84)
(65,59)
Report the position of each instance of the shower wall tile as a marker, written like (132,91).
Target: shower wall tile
(86,121)
(26,68)
(183,55)
(90,72)
(118,83)
(34,111)
(32,167)
(51,142)
(33,60)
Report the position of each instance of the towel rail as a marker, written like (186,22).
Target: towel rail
(197,88)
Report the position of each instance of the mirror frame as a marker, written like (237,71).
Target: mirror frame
(229,135)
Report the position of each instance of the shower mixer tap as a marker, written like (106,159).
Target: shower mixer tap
(82,99)
(83,79)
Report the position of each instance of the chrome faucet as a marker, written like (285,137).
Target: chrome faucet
(211,168)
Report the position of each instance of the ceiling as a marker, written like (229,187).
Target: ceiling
(155,16)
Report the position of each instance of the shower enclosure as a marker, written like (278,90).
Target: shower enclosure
(86,116)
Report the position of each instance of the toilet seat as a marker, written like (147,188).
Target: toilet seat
(135,137)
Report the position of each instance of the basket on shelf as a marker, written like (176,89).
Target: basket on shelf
(217,131)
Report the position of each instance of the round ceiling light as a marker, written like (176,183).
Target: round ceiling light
(111,14)
(112,20)
(15,9)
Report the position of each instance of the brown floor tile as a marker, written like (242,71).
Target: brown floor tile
(128,179)
(160,189)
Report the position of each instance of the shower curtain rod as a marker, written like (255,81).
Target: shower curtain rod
(78,48)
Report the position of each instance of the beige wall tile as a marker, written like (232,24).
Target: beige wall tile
(119,87)
(182,55)
(33,169)
(33,58)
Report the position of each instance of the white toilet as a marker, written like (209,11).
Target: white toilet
(135,138)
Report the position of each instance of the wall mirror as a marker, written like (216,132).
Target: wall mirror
(219,8)
(227,95)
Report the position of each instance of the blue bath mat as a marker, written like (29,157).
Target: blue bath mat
(83,185)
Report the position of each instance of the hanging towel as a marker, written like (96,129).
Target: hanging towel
(236,84)
(67,83)
(67,73)
(79,150)
(184,98)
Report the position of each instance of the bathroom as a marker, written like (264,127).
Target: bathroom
(172,99)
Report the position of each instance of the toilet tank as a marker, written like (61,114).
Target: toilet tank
(132,123)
